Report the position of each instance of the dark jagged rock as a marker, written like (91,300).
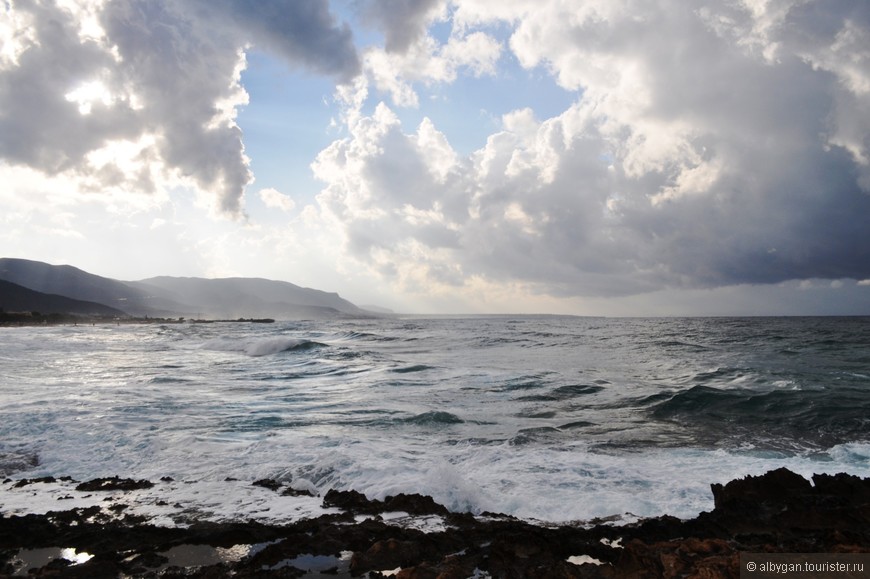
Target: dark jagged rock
(414,504)
(770,489)
(29,481)
(846,487)
(291,492)
(267,483)
(776,512)
(351,501)
(787,501)
(114,484)
(357,503)
(273,485)
(388,554)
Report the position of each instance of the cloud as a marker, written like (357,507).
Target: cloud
(708,146)
(412,56)
(403,22)
(719,144)
(141,96)
(428,61)
(303,32)
(276,200)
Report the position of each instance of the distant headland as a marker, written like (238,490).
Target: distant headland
(36,293)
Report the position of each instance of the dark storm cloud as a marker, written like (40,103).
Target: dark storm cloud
(302,31)
(401,21)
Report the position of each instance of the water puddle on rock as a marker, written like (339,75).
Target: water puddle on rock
(28,559)
(204,555)
(319,565)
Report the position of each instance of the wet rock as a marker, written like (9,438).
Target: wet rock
(276,486)
(351,501)
(387,554)
(846,487)
(357,503)
(267,483)
(142,564)
(671,559)
(114,484)
(291,492)
(28,481)
(788,505)
(414,504)
(771,489)
(776,512)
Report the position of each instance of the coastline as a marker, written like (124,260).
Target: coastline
(411,536)
(29,319)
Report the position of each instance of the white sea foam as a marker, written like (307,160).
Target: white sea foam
(568,484)
(168,503)
(549,486)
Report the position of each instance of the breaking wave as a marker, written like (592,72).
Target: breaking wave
(260,346)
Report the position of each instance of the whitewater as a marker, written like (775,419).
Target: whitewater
(546,418)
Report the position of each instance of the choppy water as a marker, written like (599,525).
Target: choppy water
(554,418)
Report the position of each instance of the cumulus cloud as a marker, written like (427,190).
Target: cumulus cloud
(140,96)
(709,145)
(301,31)
(276,200)
(412,56)
(403,22)
(428,61)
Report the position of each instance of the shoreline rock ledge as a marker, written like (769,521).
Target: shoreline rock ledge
(777,512)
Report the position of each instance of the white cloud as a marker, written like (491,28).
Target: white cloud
(276,200)
(17,34)
(85,83)
(701,138)
(427,61)
(716,144)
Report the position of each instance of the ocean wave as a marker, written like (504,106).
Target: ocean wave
(434,417)
(167,380)
(818,417)
(512,429)
(564,393)
(12,461)
(411,369)
(257,347)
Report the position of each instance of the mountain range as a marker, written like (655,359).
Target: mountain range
(27,285)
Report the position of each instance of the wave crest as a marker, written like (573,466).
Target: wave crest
(261,346)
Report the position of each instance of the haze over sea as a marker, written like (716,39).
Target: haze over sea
(542,417)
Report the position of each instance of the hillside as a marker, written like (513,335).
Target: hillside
(72,282)
(16,298)
(245,297)
(171,296)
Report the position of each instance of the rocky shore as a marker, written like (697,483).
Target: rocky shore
(774,513)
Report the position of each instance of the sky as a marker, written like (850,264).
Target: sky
(591,157)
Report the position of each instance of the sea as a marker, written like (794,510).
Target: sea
(552,419)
